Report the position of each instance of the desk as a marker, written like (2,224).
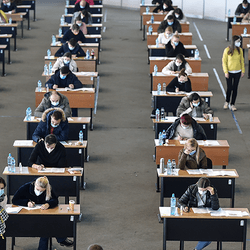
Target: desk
(178,184)
(83,64)
(26,9)
(17,17)
(77,99)
(2,58)
(94,9)
(75,125)
(95,28)
(161,62)
(238,28)
(65,184)
(5,40)
(75,153)
(210,128)
(32,4)
(177,228)
(49,223)
(199,81)
(143,9)
(229,25)
(185,38)
(6,28)
(96,18)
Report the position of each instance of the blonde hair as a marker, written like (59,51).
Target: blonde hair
(169,28)
(43,182)
(194,144)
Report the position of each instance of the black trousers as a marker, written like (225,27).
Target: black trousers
(2,243)
(232,86)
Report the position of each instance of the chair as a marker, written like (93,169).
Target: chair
(209,163)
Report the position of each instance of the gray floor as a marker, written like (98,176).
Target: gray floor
(120,204)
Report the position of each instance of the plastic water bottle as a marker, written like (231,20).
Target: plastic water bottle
(46,71)
(157,42)
(150,30)
(20,167)
(142,2)
(164,135)
(48,53)
(87,54)
(39,86)
(162,114)
(169,167)
(157,115)
(62,20)
(162,166)
(60,32)
(164,88)
(53,40)
(13,165)
(196,54)
(65,11)
(28,114)
(9,161)
(173,164)
(152,19)
(158,89)
(245,31)
(173,205)
(147,10)
(234,20)
(67,3)
(160,139)
(50,68)
(81,136)
(10,20)
(229,12)
(155,70)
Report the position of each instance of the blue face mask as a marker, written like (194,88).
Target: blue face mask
(70,47)
(196,104)
(1,192)
(176,43)
(244,7)
(54,126)
(170,23)
(62,77)
(193,152)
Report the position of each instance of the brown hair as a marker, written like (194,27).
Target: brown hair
(186,119)
(203,182)
(169,28)
(232,47)
(182,73)
(194,144)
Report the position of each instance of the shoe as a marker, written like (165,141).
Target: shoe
(67,243)
(233,108)
(225,105)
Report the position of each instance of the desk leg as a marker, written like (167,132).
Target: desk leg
(244,236)
(28,13)
(15,43)
(91,119)
(157,181)
(143,34)
(50,243)
(74,232)
(78,190)
(34,17)
(164,233)
(232,191)
(82,165)
(85,136)
(248,69)
(8,189)
(13,242)
(3,68)
(228,22)
(141,23)
(151,83)
(181,245)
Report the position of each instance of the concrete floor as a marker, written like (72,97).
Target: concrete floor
(120,204)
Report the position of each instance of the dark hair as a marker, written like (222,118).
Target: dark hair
(232,47)
(186,119)
(179,11)
(203,182)
(73,41)
(170,17)
(167,2)
(78,18)
(86,15)
(182,73)
(95,247)
(64,70)
(245,2)
(3,181)
(75,27)
(57,115)
(50,139)
(181,57)
(68,54)
(194,97)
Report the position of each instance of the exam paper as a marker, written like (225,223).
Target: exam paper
(13,210)
(28,143)
(52,170)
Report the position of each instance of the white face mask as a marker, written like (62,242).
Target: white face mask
(49,149)
(202,193)
(184,127)
(37,192)
(177,64)
(177,16)
(55,103)
(237,44)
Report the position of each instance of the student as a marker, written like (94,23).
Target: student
(234,69)
(165,37)
(63,78)
(53,99)
(65,60)
(184,128)
(166,5)
(175,66)
(175,47)
(81,24)
(246,18)
(72,47)
(8,6)
(180,83)
(3,17)
(53,122)
(200,194)
(192,156)
(48,153)
(95,247)
(172,22)
(3,214)
(194,106)
(3,197)
(91,2)
(178,15)
(84,15)
(73,32)
(242,8)
(82,5)
(39,192)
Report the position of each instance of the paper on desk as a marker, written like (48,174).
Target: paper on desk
(64,143)
(70,119)
(23,143)
(33,208)
(13,210)
(202,210)
(52,170)
(72,170)
(222,173)
(182,142)
(200,119)
(171,118)
(228,213)
(177,93)
(208,143)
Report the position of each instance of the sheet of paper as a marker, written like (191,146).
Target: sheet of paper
(28,143)
(222,173)
(202,210)
(52,170)
(33,208)
(194,171)
(200,119)
(72,170)
(13,210)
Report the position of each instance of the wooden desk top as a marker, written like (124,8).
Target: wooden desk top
(35,172)
(165,214)
(181,94)
(164,58)
(184,173)
(61,209)
(32,144)
(180,34)
(79,74)
(87,90)
(75,59)
(87,36)
(81,44)
(93,15)
(148,5)
(88,25)
(163,47)
(9,25)
(90,6)
(5,35)
(241,24)
(70,119)
(160,74)
(171,119)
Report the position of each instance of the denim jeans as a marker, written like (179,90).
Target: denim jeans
(43,243)
(202,244)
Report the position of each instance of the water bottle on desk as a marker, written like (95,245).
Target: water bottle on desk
(81,136)
(150,30)
(9,161)
(169,167)
(164,135)
(60,32)
(152,19)
(147,10)
(46,71)
(173,205)
(48,53)
(10,20)
(28,114)
(196,54)
(162,166)
(234,20)
(173,166)
(164,87)
(62,20)
(50,68)
(92,54)
(155,70)
(157,42)
(245,31)
(53,40)
(39,86)
(142,2)
(157,115)
(160,139)
(13,165)
(162,114)
(20,167)
(158,89)
(66,11)
(67,3)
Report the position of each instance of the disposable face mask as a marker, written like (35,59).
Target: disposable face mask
(244,7)
(55,103)
(79,24)
(237,44)
(176,43)
(70,47)
(202,193)
(164,6)
(54,126)
(193,152)
(8,4)
(184,127)
(37,192)
(62,76)
(177,64)
(167,35)
(1,192)
(170,23)
(196,104)
(66,61)
(49,149)
(177,16)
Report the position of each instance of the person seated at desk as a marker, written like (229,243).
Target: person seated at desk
(81,24)
(170,21)
(53,99)
(166,5)
(48,153)
(65,60)
(175,47)
(81,5)
(39,192)
(184,128)
(192,156)
(246,18)
(177,65)
(8,6)
(53,122)
(95,247)
(84,15)
(63,78)
(73,32)
(200,194)
(242,8)
(178,14)
(72,47)
(3,17)
(91,2)
(3,197)
(165,37)
(180,83)
(3,213)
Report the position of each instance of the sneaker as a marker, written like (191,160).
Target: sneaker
(225,105)
(67,243)
(233,108)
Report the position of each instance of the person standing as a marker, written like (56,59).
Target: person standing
(234,69)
